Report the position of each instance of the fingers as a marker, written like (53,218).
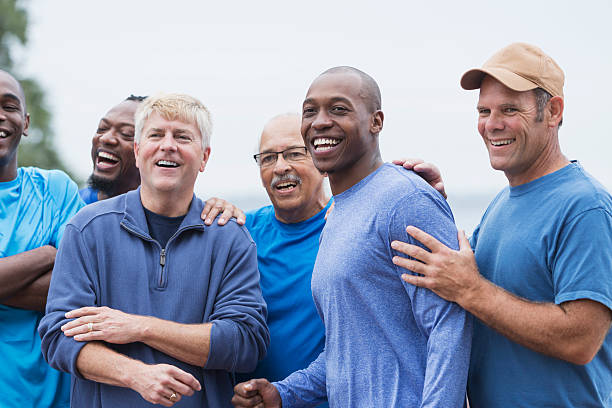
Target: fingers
(464,242)
(410,264)
(239,215)
(413,251)
(215,206)
(231,211)
(186,379)
(408,163)
(212,208)
(424,238)
(419,281)
(247,394)
(83,311)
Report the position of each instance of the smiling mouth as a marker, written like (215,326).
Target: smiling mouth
(285,185)
(322,144)
(107,159)
(166,163)
(504,142)
(4,134)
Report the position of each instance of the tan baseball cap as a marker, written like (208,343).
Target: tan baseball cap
(520,67)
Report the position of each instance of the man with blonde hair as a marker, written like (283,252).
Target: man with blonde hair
(145,296)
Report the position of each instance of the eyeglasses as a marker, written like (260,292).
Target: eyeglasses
(292,155)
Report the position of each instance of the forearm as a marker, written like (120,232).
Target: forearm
(189,343)
(33,296)
(18,271)
(562,331)
(98,363)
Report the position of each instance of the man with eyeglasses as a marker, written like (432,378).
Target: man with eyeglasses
(287,237)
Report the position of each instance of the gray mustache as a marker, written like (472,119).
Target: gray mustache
(283,178)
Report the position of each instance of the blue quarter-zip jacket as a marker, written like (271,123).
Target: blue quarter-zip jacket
(205,274)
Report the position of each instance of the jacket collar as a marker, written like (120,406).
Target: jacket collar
(134,217)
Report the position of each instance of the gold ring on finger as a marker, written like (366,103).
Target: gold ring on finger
(89,327)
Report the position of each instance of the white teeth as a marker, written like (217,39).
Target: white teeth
(3,134)
(108,156)
(501,142)
(285,185)
(167,163)
(325,141)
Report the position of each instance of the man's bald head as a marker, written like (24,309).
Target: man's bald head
(370,92)
(283,123)
(21,95)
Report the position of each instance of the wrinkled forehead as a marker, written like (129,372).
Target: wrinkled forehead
(280,133)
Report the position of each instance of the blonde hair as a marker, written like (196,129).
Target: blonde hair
(174,106)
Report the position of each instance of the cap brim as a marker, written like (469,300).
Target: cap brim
(473,78)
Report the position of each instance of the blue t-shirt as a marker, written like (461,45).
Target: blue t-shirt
(549,240)
(388,343)
(286,255)
(88,195)
(34,209)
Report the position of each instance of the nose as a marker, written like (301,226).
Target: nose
(108,137)
(322,120)
(168,143)
(281,166)
(493,122)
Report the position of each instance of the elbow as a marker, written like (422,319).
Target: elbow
(580,354)
(255,350)
(581,357)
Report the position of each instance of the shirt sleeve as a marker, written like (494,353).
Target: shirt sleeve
(447,326)
(304,388)
(582,261)
(239,334)
(71,287)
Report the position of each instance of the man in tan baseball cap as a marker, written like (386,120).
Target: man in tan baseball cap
(537,272)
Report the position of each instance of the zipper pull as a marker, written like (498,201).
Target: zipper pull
(162,257)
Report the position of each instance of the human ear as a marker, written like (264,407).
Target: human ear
(555,109)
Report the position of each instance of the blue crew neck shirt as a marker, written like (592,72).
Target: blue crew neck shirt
(549,240)
(286,255)
(34,209)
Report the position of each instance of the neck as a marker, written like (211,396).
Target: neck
(342,180)
(8,171)
(548,162)
(168,205)
(293,216)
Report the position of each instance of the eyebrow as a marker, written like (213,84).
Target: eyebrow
(13,97)
(332,100)
(274,151)
(120,124)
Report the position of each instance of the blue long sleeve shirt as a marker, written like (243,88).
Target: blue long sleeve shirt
(387,343)
(207,274)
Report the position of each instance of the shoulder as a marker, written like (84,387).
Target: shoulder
(230,233)
(256,218)
(53,181)
(398,189)
(95,213)
(54,186)
(576,192)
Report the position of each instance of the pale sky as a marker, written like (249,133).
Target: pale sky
(248,61)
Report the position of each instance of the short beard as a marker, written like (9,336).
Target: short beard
(103,185)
